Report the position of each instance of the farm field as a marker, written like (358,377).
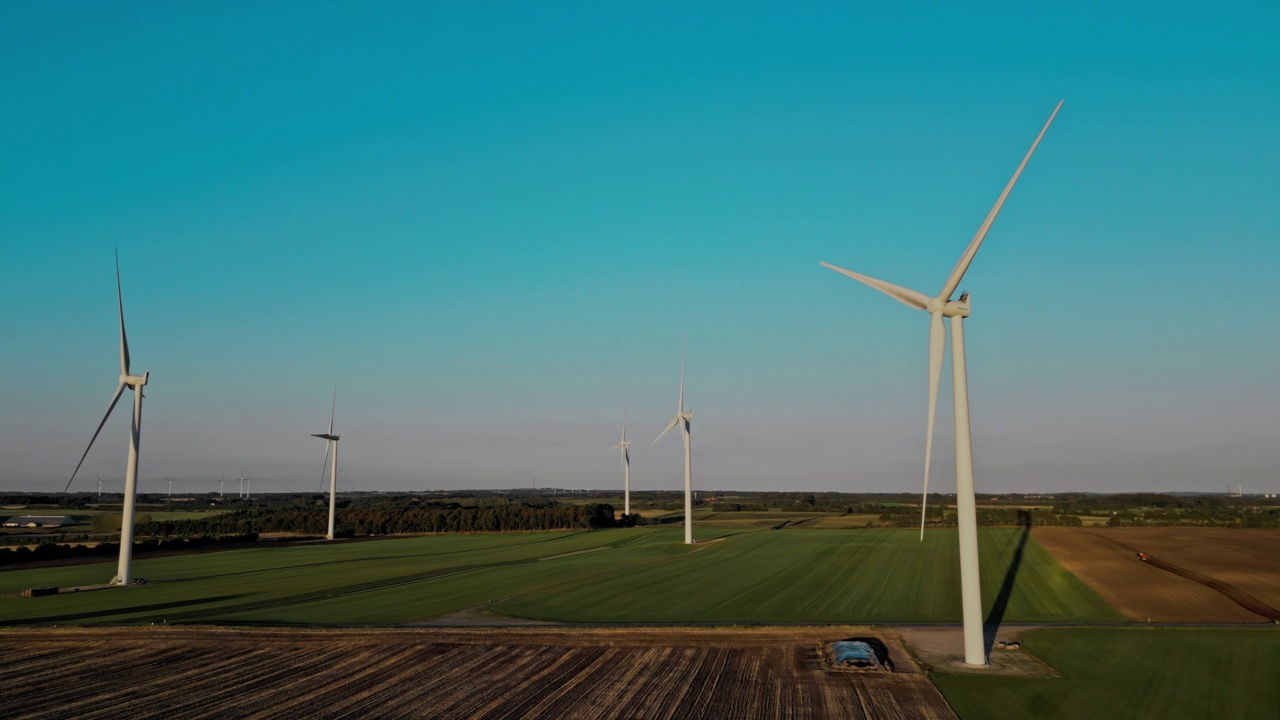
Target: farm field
(1131,673)
(1239,563)
(644,673)
(826,576)
(635,575)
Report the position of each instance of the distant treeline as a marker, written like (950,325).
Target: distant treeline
(55,551)
(395,520)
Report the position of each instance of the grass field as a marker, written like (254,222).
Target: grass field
(822,576)
(1119,673)
(641,575)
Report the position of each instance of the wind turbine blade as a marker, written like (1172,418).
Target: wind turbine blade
(683,343)
(325,466)
(674,422)
(957,274)
(906,296)
(937,346)
(333,409)
(114,399)
(124,340)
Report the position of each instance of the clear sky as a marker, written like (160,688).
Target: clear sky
(489,223)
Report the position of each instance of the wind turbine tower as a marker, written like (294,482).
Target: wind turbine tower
(683,419)
(99,485)
(221,485)
(135,382)
(956,310)
(170,486)
(331,441)
(624,446)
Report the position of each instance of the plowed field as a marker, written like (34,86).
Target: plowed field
(1194,575)
(475,673)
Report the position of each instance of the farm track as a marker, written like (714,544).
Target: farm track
(668,673)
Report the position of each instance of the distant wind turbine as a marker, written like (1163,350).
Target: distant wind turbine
(221,485)
(682,419)
(170,485)
(331,441)
(136,382)
(99,485)
(939,307)
(624,446)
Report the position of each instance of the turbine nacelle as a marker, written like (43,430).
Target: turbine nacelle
(135,380)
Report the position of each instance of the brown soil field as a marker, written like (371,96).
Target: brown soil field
(679,673)
(1194,574)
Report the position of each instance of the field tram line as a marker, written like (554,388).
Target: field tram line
(361,678)
(593,663)
(544,696)
(41,697)
(171,691)
(1231,592)
(302,666)
(112,682)
(548,679)
(399,695)
(441,679)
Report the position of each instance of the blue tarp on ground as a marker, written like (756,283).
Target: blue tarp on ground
(855,653)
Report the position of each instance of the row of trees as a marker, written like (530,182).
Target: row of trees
(54,551)
(393,520)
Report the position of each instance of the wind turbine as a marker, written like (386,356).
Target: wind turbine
(221,484)
(99,485)
(682,419)
(331,441)
(957,310)
(136,382)
(624,446)
(170,485)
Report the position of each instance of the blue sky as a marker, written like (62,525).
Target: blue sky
(489,223)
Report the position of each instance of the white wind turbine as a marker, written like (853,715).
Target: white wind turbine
(624,445)
(221,485)
(170,485)
(331,441)
(136,382)
(99,485)
(938,307)
(682,419)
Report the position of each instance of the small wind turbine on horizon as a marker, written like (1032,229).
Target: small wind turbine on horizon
(331,441)
(99,485)
(683,419)
(222,485)
(170,485)
(124,568)
(957,310)
(624,446)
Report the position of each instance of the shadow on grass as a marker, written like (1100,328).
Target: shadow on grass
(70,617)
(996,616)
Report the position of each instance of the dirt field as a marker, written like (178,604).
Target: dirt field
(1194,574)
(680,673)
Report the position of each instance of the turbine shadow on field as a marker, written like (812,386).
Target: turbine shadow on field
(122,610)
(994,618)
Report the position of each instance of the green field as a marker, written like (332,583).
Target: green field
(1138,673)
(637,575)
(823,576)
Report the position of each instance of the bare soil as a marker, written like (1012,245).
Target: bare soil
(1202,575)
(678,673)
